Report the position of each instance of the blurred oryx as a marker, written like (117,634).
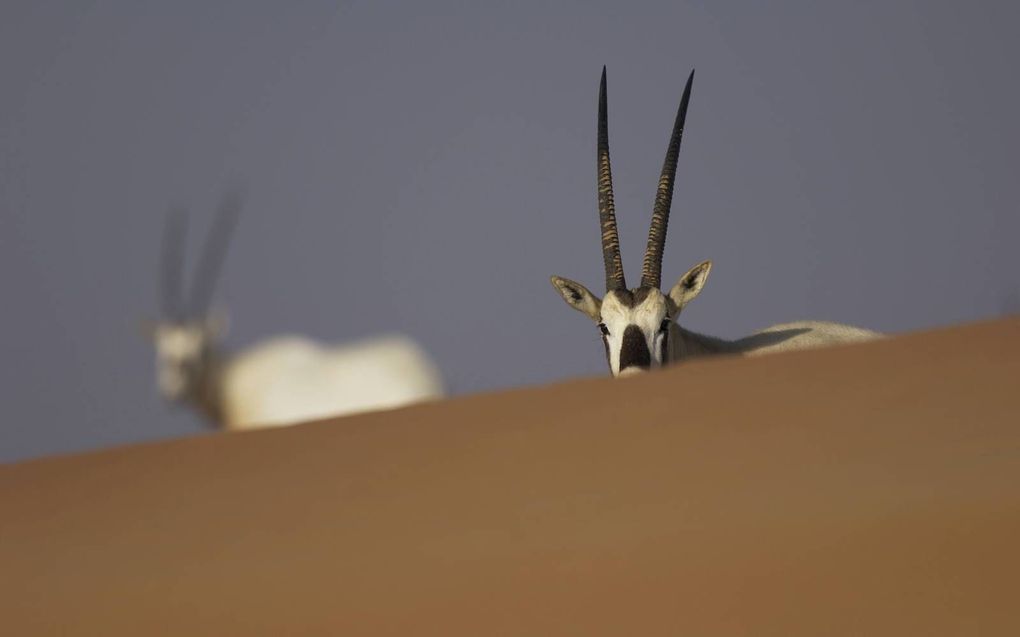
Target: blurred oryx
(283,380)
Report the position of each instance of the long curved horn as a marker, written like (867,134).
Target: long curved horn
(651,272)
(171,266)
(607,208)
(213,251)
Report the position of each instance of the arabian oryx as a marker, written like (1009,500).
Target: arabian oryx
(280,381)
(638,325)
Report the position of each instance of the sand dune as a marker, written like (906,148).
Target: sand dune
(864,490)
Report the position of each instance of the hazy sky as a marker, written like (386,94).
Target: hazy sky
(424,167)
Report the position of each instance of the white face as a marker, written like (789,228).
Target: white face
(635,324)
(180,350)
(635,329)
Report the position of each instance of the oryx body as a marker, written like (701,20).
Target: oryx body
(279,381)
(638,325)
(292,379)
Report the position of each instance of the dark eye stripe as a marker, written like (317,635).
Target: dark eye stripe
(603,329)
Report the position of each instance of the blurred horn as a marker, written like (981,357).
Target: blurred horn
(175,229)
(213,252)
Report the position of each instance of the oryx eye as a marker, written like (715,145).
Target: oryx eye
(665,325)
(603,329)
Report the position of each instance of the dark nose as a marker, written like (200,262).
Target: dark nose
(634,352)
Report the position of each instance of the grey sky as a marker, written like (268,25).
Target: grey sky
(425,167)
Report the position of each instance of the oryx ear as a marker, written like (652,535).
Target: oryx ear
(217,322)
(689,285)
(578,297)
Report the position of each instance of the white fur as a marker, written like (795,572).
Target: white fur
(647,316)
(292,379)
(683,344)
(815,334)
(176,345)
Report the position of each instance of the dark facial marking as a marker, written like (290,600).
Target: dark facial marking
(605,343)
(633,298)
(640,294)
(665,345)
(634,352)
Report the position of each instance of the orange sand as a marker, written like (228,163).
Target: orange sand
(865,490)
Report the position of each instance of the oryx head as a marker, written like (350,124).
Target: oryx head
(635,323)
(185,334)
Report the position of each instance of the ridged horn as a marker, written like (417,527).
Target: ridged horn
(651,272)
(607,208)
